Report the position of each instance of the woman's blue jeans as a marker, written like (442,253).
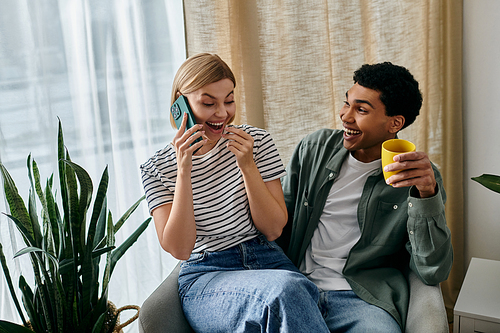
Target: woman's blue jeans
(251,287)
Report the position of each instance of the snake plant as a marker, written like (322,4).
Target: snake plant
(65,240)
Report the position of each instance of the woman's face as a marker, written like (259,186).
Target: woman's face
(213,106)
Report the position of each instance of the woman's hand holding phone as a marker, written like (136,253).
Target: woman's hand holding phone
(183,143)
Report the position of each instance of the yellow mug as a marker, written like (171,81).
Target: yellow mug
(391,148)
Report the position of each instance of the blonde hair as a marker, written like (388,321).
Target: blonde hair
(198,71)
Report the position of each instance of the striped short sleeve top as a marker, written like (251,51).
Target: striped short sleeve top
(221,207)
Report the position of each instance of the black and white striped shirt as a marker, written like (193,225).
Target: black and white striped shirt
(221,207)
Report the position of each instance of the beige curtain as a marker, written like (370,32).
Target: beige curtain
(294,62)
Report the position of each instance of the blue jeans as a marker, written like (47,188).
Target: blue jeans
(251,287)
(344,311)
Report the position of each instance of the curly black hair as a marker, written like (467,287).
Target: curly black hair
(398,88)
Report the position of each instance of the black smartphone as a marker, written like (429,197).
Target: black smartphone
(181,106)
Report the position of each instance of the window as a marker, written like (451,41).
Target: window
(105,68)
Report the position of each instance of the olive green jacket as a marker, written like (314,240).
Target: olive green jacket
(398,229)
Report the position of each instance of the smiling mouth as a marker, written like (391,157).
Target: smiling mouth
(215,126)
(350,132)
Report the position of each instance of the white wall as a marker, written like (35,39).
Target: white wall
(481,93)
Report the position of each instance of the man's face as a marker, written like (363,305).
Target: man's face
(366,124)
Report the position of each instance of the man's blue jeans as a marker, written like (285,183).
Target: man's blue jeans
(251,287)
(344,311)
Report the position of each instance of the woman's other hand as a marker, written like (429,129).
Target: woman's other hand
(241,145)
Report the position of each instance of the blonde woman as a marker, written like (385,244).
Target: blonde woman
(218,205)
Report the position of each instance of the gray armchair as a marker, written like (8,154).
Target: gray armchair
(162,312)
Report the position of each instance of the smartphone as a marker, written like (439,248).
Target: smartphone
(181,106)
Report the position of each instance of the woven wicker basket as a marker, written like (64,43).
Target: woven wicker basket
(114,312)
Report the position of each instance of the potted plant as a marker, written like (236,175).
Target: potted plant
(65,244)
(489,181)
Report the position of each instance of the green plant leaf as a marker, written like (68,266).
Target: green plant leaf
(32,212)
(22,229)
(10,284)
(97,212)
(61,156)
(60,305)
(120,251)
(67,264)
(86,187)
(102,307)
(100,233)
(46,290)
(99,324)
(96,228)
(28,302)
(32,249)
(491,182)
(55,221)
(127,214)
(98,252)
(89,282)
(16,203)
(110,241)
(36,187)
(72,224)
(7,327)
(83,199)
(69,251)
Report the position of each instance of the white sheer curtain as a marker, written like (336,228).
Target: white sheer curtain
(105,69)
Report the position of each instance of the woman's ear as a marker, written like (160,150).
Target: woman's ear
(397,123)
(177,94)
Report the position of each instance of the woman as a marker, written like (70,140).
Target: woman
(218,204)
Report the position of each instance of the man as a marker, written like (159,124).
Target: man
(354,234)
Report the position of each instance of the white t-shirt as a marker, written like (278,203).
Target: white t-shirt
(221,208)
(338,227)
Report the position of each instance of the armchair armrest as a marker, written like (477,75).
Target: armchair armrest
(162,312)
(426,311)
